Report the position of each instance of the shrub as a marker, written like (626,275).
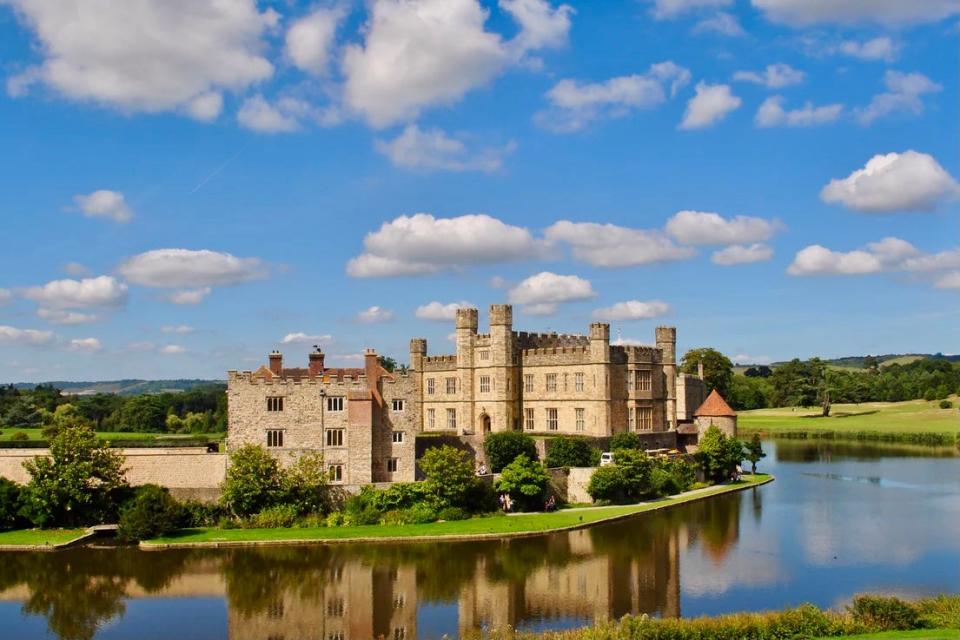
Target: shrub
(253,483)
(453,513)
(399,496)
(607,484)
(335,519)
(662,482)
(275,517)
(305,485)
(194,513)
(885,614)
(20,436)
(942,612)
(419,514)
(718,455)
(151,513)
(946,404)
(9,504)
(636,466)
(683,473)
(450,479)
(526,482)
(571,452)
(503,447)
(625,440)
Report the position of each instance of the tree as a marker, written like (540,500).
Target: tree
(143,413)
(761,371)
(717,368)
(571,452)
(625,440)
(22,414)
(9,504)
(717,454)
(66,416)
(253,482)
(151,513)
(77,484)
(450,479)
(526,482)
(754,452)
(387,363)
(305,485)
(503,447)
(607,484)
(636,466)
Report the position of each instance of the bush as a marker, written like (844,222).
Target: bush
(194,513)
(20,436)
(9,504)
(885,614)
(305,485)
(625,440)
(526,482)
(946,404)
(399,496)
(607,484)
(453,513)
(151,513)
(503,447)
(419,514)
(718,455)
(450,479)
(254,481)
(275,517)
(571,452)
(942,612)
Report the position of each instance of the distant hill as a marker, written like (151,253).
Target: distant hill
(856,362)
(123,387)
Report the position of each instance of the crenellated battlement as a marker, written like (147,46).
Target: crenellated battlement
(528,340)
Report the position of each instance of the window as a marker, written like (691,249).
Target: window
(398,436)
(551,382)
(335,472)
(581,419)
(451,418)
(528,382)
(484,384)
(399,633)
(274,438)
(334,437)
(399,601)
(553,422)
(484,355)
(431,386)
(275,404)
(564,382)
(397,405)
(335,607)
(335,403)
(578,381)
(631,422)
(431,419)
(528,421)
(451,385)
(645,418)
(393,464)
(643,381)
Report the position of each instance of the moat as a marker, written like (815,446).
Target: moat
(840,519)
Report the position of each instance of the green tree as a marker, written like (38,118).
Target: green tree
(717,454)
(253,482)
(151,513)
(571,452)
(754,452)
(388,363)
(717,368)
(636,466)
(22,414)
(77,484)
(143,413)
(526,482)
(305,485)
(450,479)
(504,446)
(66,416)
(9,504)
(625,440)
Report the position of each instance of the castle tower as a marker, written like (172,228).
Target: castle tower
(667,344)
(600,342)
(467,324)
(504,410)
(418,351)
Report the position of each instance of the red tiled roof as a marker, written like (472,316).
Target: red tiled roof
(715,407)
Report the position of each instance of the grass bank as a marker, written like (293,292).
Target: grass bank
(474,528)
(118,437)
(921,634)
(912,422)
(39,537)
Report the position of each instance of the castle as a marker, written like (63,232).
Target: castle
(365,421)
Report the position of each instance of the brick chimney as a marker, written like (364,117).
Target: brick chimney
(700,369)
(276,363)
(371,366)
(316,362)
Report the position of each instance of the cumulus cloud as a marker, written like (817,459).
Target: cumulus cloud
(103,291)
(300,337)
(772,114)
(310,39)
(668,9)
(904,94)
(421,243)
(61,316)
(85,345)
(803,13)
(172,350)
(724,23)
(182,268)
(12,336)
(103,204)
(76,269)
(541,293)
(434,150)
(146,55)
(440,312)
(775,76)
(879,48)
(375,314)
(541,25)
(888,254)
(5,297)
(188,296)
(177,328)
(704,227)
(259,115)
(632,310)
(573,105)
(608,245)
(711,104)
(949,281)
(742,254)
(908,181)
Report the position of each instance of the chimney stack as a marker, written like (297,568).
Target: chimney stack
(276,363)
(316,362)
(700,369)
(371,366)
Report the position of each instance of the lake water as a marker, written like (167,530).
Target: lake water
(839,520)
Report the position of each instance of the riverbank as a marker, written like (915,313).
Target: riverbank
(911,422)
(498,526)
(40,539)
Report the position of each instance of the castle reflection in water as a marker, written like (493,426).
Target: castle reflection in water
(376,591)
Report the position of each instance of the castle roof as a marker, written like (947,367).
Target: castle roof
(715,407)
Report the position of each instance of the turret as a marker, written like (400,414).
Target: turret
(599,342)
(418,351)
(667,344)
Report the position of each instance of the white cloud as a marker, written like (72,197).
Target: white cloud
(632,310)
(259,115)
(887,254)
(742,358)
(723,23)
(188,296)
(181,268)
(177,328)
(742,254)
(667,9)
(172,350)
(574,105)
(61,316)
(949,281)
(440,312)
(104,204)
(711,104)
(206,107)
(300,337)
(775,76)
(434,150)
(421,243)
(802,13)
(374,315)
(146,55)
(310,40)
(704,227)
(541,25)
(932,261)
(541,293)
(904,92)
(5,297)
(103,291)
(608,245)
(908,181)
(772,114)
(879,48)
(85,345)
(76,269)
(11,336)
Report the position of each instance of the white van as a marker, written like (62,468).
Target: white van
(606,458)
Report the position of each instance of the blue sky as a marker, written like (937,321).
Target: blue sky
(188,185)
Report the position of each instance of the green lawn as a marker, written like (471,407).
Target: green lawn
(493,525)
(115,436)
(921,634)
(914,416)
(39,536)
